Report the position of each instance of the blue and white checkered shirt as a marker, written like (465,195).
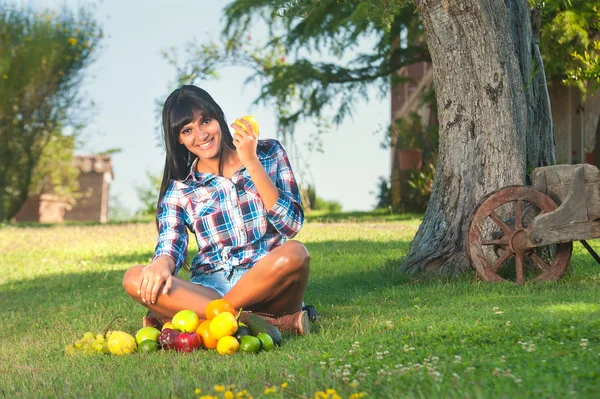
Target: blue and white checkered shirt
(228,217)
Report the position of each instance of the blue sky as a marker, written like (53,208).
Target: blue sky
(129,75)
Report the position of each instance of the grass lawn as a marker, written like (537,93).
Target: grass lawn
(380,333)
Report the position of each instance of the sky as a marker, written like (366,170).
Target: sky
(129,75)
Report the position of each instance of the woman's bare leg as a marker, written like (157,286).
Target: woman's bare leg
(276,283)
(182,295)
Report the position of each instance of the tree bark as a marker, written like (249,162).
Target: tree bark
(494,113)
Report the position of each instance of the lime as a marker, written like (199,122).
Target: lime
(147,333)
(266,342)
(148,346)
(242,332)
(249,344)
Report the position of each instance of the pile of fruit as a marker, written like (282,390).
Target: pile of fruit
(186,332)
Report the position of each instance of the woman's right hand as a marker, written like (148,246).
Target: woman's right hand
(153,276)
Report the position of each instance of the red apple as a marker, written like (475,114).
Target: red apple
(187,342)
(167,338)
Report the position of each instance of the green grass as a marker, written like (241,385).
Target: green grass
(395,336)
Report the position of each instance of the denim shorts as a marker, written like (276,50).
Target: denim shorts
(221,280)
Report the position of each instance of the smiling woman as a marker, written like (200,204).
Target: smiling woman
(239,198)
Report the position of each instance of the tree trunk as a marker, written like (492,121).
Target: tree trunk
(494,113)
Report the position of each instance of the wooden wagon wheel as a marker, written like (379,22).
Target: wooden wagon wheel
(496,243)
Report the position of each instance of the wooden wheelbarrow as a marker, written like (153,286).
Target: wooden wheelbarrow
(523,234)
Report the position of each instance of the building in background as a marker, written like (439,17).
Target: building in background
(90,203)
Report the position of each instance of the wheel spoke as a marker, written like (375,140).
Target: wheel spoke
(519,263)
(540,262)
(500,223)
(505,256)
(519,215)
(494,242)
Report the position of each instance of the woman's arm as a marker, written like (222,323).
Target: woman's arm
(171,247)
(281,199)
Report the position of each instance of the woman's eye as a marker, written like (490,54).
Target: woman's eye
(186,131)
(206,121)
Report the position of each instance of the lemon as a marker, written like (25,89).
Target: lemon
(223,325)
(228,345)
(250,119)
(121,343)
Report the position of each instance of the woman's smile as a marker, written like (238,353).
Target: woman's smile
(207,144)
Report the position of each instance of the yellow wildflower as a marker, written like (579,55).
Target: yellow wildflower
(197,391)
(284,385)
(357,395)
(5,77)
(270,390)
(244,395)
(72,41)
(228,395)
(219,388)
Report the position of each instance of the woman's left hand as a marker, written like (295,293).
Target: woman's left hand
(245,142)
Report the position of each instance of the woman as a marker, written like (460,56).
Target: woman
(238,196)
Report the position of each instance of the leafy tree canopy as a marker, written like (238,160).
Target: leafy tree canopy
(299,67)
(42,56)
(570,40)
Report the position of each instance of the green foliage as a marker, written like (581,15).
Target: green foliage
(400,337)
(294,67)
(569,40)
(55,171)
(42,56)
(420,184)
(319,204)
(383,195)
(148,195)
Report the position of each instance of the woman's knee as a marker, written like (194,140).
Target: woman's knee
(294,258)
(131,280)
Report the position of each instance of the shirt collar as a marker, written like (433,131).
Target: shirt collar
(263,151)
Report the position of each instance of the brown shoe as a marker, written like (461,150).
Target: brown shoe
(152,320)
(297,323)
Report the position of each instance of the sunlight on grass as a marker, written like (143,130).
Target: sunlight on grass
(568,308)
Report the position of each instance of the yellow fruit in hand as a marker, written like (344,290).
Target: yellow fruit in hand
(251,120)
(121,343)
(168,324)
(223,325)
(228,345)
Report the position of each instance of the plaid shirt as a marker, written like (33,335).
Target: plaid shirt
(228,217)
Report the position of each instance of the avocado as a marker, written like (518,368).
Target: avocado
(258,325)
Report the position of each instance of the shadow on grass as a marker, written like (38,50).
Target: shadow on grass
(343,273)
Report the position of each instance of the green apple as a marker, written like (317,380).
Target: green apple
(186,321)
(147,333)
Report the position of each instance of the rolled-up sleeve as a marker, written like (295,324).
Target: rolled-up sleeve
(172,232)
(287,215)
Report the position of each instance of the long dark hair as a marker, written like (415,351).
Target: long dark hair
(183,106)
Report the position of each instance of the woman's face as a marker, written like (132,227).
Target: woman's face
(202,137)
